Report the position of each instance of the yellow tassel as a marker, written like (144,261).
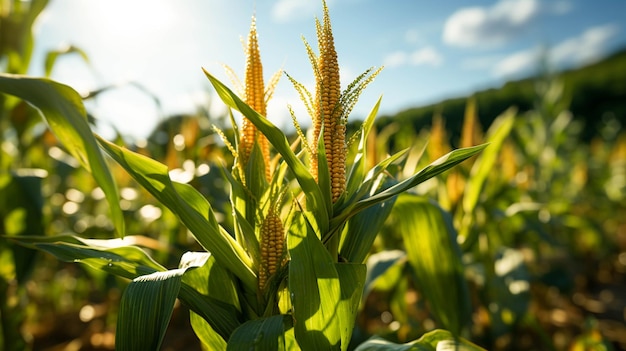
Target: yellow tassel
(255,97)
(328,109)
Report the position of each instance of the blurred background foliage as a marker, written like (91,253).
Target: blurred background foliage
(540,216)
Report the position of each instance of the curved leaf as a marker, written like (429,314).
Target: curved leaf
(436,340)
(261,334)
(145,310)
(441,165)
(432,250)
(53,55)
(314,287)
(210,292)
(190,206)
(124,261)
(63,109)
(497,133)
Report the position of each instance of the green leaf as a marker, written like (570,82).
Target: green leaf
(315,199)
(190,206)
(209,338)
(145,310)
(384,269)
(432,250)
(244,230)
(351,279)
(261,334)
(436,340)
(53,55)
(362,230)
(211,291)
(124,261)
(357,169)
(63,109)
(439,166)
(22,213)
(484,165)
(497,133)
(315,289)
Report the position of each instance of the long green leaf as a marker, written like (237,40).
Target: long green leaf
(261,334)
(63,110)
(145,310)
(436,340)
(209,338)
(441,165)
(357,169)
(434,255)
(362,230)
(351,279)
(190,206)
(314,287)
(384,269)
(211,291)
(124,261)
(277,138)
(497,133)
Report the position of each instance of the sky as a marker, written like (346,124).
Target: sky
(430,50)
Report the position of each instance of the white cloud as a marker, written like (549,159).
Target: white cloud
(587,47)
(394,59)
(424,56)
(579,50)
(495,25)
(517,63)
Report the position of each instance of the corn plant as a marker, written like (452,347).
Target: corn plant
(290,272)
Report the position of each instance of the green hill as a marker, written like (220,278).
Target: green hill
(593,92)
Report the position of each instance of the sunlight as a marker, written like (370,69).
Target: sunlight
(129,20)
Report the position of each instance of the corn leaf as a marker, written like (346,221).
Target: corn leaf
(351,279)
(497,133)
(145,310)
(244,230)
(209,338)
(357,170)
(384,269)
(362,230)
(441,165)
(53,55)
(323,174)
(261,334)
(190,206)
(126,261)
(223,318)
(367,187)
(434,255)
(436,340)
(314,287)
(277,138)
(220,309)
(63,110)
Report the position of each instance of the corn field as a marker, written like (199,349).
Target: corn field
(220,235)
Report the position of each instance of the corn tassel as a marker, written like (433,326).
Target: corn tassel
(272,243)
(255,97)
(328,109)
(472,134)
(438,145)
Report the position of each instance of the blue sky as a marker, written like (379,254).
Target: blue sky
(430,49)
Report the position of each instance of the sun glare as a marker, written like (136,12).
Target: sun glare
(134,18)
